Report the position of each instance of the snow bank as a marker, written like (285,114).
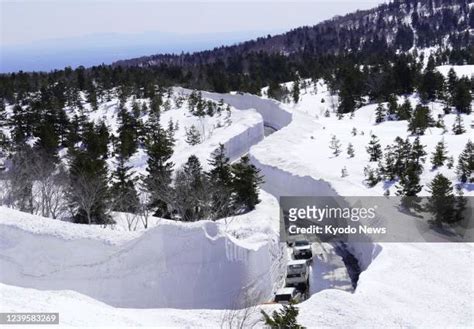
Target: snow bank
(195,265)
(407,285)
(274,115)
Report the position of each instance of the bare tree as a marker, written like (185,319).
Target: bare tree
(86,192)
(19,181)
(246,317)
(50,187)
(144,211)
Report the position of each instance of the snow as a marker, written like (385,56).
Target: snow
(460,70)
(180,265)
(189,274)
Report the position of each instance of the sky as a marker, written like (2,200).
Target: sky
(39,26)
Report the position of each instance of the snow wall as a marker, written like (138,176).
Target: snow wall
(279,182)
(240,144)
(170,266)
(271,111)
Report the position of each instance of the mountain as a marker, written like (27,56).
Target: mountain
(398,26)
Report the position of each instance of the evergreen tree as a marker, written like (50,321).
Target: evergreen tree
(155,104)
(451,85)
(159,149)
(379,113)
(409,187)
(374,149)
(220,180)
(417,156)
(350,150)
(335,146)
(123,189)
(458,127)
(47,142)
(439,156)
(88,193)
(21,127)
(245,184)
(404,112)
(388,168)
(372,176)
(461,204)
(420,120)
(191,191)
(285,318)
(462,96)
(441,203)
(92,98)
(392,109)
(432,82)
(296,91)
(3,114)
(127,134)
(193,137)
(465,166)
(402,150)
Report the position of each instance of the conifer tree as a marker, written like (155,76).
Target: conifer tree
(465,166)
(409,187)
(404,112)
(220,180)
(159,149)
(127,134)
(296,91)
(392,109)
(335,146)
(191,191)
(47,142)
(379,113)
(417,155)
(245,184)
(193,137)
(123,189)
(441,203)
(285,318)
(458,127)
(439,156)
(462,96)
(350,150)
(89,193)
(461,204)
(388,167)
(420,120)
(374,149)
(3,114)
(372,176)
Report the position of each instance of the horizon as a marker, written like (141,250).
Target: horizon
(40,36)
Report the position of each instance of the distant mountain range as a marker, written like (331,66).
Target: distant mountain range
(400,25)
(106,48)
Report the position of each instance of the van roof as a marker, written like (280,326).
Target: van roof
(285,291)
(297,262)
